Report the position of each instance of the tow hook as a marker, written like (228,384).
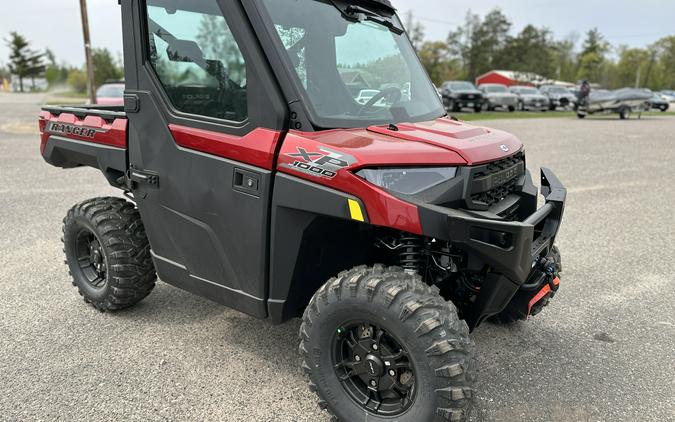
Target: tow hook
(549,267)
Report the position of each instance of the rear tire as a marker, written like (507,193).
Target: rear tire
(435,354)
(512,109)
(108,254)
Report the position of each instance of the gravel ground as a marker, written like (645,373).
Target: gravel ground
(603,351)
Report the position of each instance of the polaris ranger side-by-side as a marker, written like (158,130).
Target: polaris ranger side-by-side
(255,179)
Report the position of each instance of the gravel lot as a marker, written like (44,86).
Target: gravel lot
(603,351)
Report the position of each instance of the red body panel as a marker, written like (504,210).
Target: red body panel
(256,148)
(440,143)
(474,144)
(382,208)
(107,133)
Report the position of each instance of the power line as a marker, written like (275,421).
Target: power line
(434,20)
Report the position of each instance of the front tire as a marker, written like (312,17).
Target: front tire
(108,254)
(379,344)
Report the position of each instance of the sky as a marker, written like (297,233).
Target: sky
(55,24)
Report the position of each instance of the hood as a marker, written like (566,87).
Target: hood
(466,91)
(534,96)
(501,95)
(440,142)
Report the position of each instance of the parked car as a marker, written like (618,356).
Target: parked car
(438,91)
(111,93)
(461,94)
(668,96)
(559,96)
(659,102)
(498,96)
(529,98)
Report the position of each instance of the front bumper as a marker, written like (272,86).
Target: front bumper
(510,248)
(503,102)
(536,103)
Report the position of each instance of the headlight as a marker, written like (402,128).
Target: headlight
(408,181)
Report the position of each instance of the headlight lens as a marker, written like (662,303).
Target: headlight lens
(408,181)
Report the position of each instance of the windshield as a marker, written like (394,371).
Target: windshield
(529,91)
(558,90)
(339,61)
(461,85)
(496,88)
(111,91)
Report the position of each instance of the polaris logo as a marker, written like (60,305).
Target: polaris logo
(325,163)
(68,129)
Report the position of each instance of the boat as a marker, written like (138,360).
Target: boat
(623,102)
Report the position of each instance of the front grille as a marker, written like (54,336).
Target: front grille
(495,181)
(469,97)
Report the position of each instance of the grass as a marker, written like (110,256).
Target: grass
(495,115)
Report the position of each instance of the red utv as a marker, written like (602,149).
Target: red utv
(254,178)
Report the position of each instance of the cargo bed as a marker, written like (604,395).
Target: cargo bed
(94,136)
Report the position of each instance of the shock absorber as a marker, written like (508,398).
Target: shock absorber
(411,253)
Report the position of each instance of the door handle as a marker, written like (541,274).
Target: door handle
(246,181)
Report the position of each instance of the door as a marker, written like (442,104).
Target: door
(205,121)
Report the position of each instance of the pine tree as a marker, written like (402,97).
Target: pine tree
(23,61)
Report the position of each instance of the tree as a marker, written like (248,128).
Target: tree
(532,50)
(592,57)
(435,57)
(564,58)
(23,62)
(77,80)
(665,57)
(415,30)
(632,64)
(478,42)
(105,66)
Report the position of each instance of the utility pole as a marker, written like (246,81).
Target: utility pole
(87,51)
(637,77)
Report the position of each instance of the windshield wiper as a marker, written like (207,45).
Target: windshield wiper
(360,14)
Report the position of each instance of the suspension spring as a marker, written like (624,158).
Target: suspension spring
(411,253)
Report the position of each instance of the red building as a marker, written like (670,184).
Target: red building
(510,78)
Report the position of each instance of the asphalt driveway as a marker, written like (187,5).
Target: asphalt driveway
(603,351)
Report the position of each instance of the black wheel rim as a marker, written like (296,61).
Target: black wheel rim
(374,369)
(91,259)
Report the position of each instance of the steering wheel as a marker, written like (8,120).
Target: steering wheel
(391,92)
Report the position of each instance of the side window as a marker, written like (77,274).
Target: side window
(197,59)
(294,43)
